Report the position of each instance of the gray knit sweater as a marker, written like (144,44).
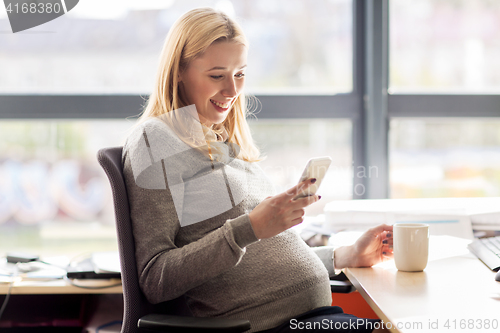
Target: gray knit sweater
(208,252)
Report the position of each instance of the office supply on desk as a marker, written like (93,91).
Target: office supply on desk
(15,257)
(486,221)
(30,271)
(488,251)
(102,265)
(446,216)
(106,262)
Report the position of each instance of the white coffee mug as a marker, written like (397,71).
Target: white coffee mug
(411,246)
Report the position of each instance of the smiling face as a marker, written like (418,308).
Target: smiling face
(214,80)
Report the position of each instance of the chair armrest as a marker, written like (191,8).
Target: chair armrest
(343,287)
(170,323)
(341,284)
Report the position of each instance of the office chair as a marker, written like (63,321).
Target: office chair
(140,315)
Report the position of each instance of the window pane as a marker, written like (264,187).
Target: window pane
(54,197)
(444,158)
(296,46)
(289,144)
(445,45)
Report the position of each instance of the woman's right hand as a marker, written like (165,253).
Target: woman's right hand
(280,212)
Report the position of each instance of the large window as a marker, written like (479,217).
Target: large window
(114,47)
(54,197)
(444,157)
(445,46)
(444,85)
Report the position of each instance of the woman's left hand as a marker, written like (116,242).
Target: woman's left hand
(373,247)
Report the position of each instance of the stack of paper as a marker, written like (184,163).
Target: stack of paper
(106,262)
(446,216)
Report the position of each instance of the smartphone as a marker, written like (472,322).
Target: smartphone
(315,168)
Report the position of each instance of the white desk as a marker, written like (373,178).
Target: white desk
(55,287)
(456,293)
(35,279)
(59,304)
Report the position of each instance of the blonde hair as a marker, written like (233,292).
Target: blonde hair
(188,38)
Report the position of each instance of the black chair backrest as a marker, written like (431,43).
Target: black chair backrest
(135,303)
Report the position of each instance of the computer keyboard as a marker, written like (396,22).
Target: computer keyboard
(488,251)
